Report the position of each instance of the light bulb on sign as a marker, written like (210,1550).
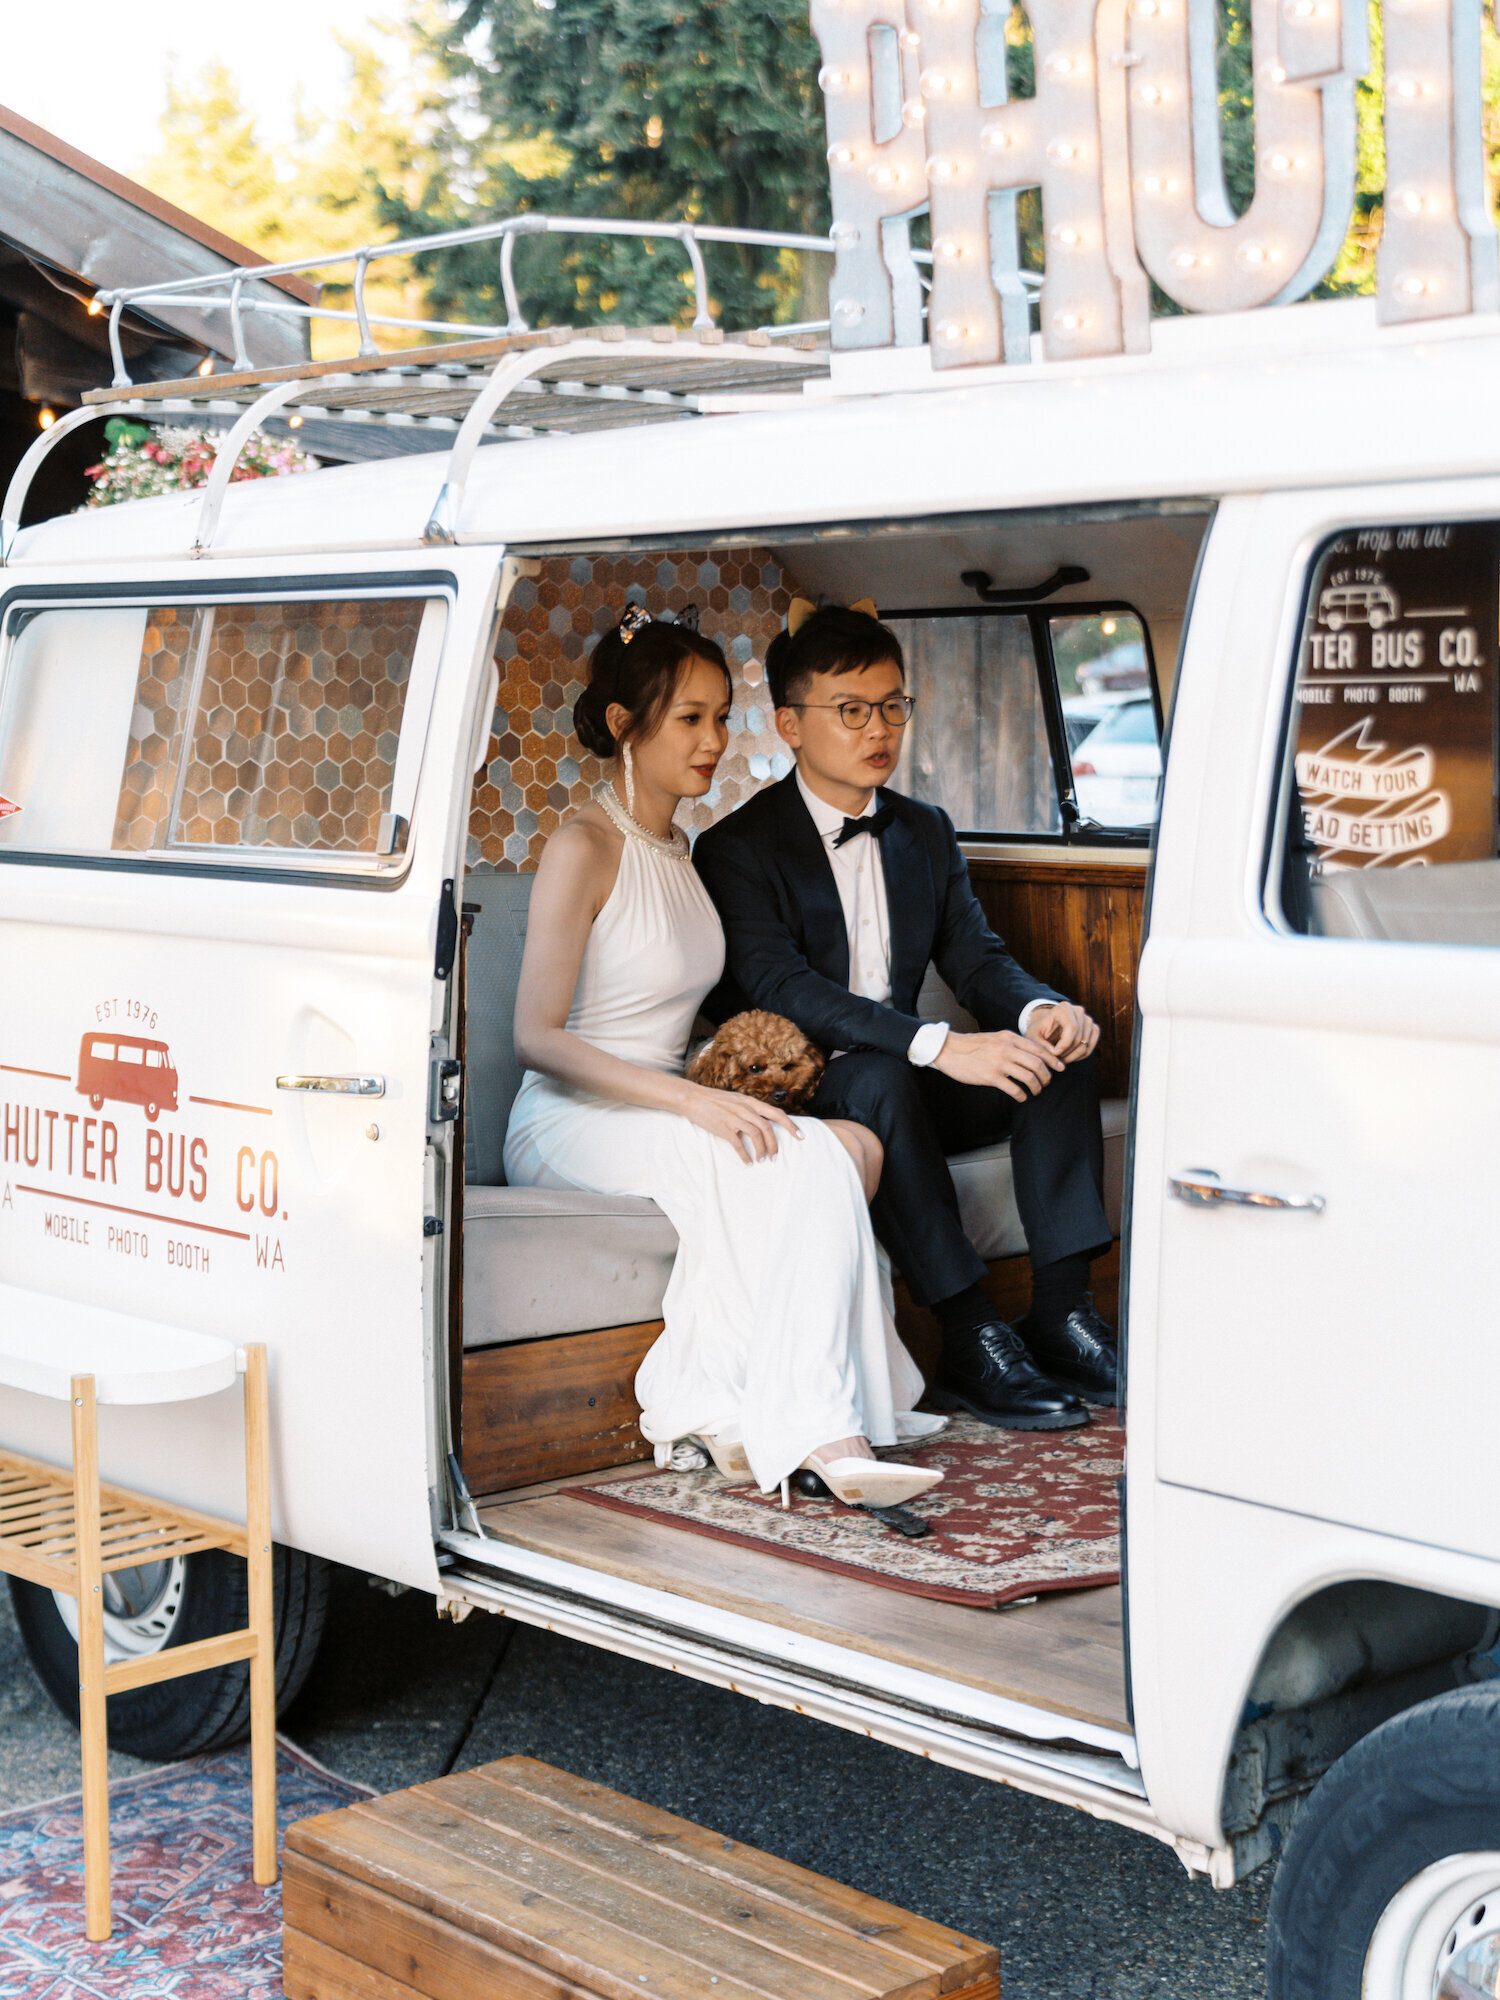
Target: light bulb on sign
(1301,10)
(994,138)
(1061,65)
(1069,322)
(883,175)
(1411,201)
(1407,86)
(951,334)
(1148,8)
(1149,93)
(843,235)
(1280,163)
(1256,254)
(911,41)
(942,169)
(1152,184)
(1062,149)
(833,82)
(947,250)
(1067,237)
(1185,260)
(1413,287)
(913,113)
(1274,73)
(840,156)
(848,312)
(935,83)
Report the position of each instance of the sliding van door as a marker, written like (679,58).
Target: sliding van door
(226,910)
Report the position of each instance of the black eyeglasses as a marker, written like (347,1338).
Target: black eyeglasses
(895,710)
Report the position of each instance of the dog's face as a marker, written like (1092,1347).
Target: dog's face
(763,1055)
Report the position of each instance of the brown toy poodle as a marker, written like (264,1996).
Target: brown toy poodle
(763,1055)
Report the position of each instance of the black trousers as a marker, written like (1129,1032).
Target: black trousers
(921,1116)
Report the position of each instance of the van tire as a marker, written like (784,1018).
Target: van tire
(1423,1786)
(203,1711)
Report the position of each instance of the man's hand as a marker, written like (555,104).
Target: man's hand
(1020,1065)
(1065,1030)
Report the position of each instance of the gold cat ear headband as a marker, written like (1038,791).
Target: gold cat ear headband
(801,609)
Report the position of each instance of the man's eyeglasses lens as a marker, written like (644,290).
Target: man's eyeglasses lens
(896,711)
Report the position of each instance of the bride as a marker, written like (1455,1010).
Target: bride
(776,1352)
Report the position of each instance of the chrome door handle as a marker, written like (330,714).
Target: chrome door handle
(1202,1188)
(335,1086)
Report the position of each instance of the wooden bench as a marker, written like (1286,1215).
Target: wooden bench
(520,1881)
(68,1531)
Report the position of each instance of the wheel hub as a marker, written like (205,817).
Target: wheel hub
(141,1608)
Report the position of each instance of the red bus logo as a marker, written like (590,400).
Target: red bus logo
(128,1069)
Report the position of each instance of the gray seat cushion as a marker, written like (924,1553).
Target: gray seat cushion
(1452,902)
(539,1261)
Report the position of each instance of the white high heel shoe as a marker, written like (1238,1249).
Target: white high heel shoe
(866,1482)
(727,1451)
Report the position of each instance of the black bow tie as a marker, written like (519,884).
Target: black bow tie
(875,822)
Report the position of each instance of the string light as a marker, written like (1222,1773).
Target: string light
(46,418)
(206,366)
(94,309)
(294,423)
(1109,628)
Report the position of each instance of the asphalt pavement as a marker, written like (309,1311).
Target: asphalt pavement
(1081,1910)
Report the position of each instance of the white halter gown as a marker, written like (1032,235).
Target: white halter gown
(774,1319)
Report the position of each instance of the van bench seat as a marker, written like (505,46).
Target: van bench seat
(542,1260)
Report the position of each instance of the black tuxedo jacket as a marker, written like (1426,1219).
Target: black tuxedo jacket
(787,948)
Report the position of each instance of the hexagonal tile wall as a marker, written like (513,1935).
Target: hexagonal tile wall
(294,740)
(537,771)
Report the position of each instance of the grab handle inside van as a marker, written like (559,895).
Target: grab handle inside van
(1201,1187)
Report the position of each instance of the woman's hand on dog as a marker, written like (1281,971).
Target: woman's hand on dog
(745,1122)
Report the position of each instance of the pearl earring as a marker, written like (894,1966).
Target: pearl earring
(629,781)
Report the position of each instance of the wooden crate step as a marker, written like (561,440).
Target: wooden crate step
(520,1881)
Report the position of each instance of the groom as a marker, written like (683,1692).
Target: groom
(834,896)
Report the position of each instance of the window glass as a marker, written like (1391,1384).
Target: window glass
(238,725)
(1388,820)
(1109,716)
(976,744)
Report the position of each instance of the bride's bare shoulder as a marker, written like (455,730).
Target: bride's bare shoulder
(586,846)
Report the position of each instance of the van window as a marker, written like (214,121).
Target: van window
(1386,824)
(203,727)
(979,744)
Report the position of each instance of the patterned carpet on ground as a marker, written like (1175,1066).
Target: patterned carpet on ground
(189,1921)
(1018,1512)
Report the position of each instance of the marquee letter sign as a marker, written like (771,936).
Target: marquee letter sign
(1123,140)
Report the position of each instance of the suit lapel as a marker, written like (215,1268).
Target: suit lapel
(811,878)
(909,899)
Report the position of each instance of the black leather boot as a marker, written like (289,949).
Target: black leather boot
(987,1371)
(1080,1352)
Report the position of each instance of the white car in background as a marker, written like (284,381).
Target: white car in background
(1117,765)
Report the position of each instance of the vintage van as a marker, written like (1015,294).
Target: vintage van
(285,753)
(128,1068)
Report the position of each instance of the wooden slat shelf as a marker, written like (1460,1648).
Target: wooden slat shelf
(519,1879)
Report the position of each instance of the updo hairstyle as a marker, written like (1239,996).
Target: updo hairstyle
(642,673)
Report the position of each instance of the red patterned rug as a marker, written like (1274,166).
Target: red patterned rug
(190,1922)
(1018,1512)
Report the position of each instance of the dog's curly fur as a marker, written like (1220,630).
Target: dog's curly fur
(763,1055)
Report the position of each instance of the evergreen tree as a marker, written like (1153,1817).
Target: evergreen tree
(678,110)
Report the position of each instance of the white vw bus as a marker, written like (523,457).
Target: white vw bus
(284,753)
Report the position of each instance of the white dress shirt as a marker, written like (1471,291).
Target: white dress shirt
(859,876)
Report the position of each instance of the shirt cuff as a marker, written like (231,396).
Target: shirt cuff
(927,1044)
(1031,1007)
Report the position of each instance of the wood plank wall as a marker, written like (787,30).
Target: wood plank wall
(1075,923)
